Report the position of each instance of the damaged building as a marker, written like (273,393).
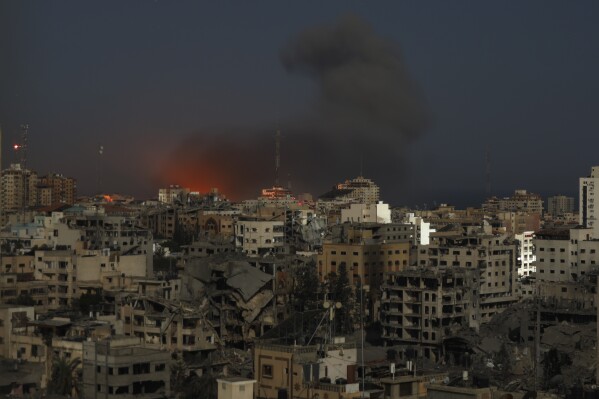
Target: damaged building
(420,306)
(163,324)
(237,297)
(475,247)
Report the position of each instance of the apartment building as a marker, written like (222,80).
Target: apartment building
(559,205)
(588,187)
(494,256)
(521,200)
(18,188)
(62,189)
(160,220)
(419,306)
(358,190)
(365,263)
(255,237)
(526,254)
(173,194)
(367,213)
(120,367)
(160,324)
(13,318)
(565,254)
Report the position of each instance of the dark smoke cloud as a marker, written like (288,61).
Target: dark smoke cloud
(367,107)
(363,83)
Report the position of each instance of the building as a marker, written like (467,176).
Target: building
(18,188)
(160,324)
(173,194)
(367,213)
(476,247)
(120,367)
(521,200)
(257,237)
(565,254)
(62,189)
(12,318)
(314,371)
(526,254)
(420,306)
(587,195)
(366,251)
(235,388)
(360,190)
(422,229)
(559,205)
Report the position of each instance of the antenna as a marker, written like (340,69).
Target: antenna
(277,156)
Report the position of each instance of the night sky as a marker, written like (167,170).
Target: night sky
(192,92)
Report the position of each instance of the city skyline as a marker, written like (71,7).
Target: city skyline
(489,76)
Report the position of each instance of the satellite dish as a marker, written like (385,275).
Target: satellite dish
(326,304)
(338,305)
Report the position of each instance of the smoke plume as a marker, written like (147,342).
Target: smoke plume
(367,107)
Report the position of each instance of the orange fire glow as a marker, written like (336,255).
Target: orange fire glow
(201,181)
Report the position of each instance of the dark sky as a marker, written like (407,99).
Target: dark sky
(158,82)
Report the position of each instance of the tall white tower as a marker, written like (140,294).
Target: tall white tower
(587,197)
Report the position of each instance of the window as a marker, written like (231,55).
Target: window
(267,371)
(160,367)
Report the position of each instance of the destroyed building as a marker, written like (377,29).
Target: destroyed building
(164,324)
(420,306)
(475,247)
(237,297)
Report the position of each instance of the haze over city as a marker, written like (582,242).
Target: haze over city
(192,93)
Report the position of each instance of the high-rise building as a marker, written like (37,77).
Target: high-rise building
(560,204)
(62,189)
(18,188)
(587,213)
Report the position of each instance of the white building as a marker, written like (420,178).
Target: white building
(367,213)
(587,211)
(526,254)
(257,237)
(422,229)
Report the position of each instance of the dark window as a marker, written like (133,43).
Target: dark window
(267,371)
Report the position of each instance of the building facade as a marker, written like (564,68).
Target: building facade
(559,205)
(420,306)
(587,195)
(120,368)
